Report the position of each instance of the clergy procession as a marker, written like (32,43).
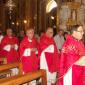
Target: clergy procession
(63,66)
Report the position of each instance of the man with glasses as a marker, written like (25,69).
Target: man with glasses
(72,62)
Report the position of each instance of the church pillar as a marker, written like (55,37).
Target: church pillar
(41,15)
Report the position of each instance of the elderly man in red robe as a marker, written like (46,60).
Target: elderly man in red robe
(72,62)
(28,51)
(48,55)
(9,46)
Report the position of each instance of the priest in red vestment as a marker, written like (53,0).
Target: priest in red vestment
(48,55)
(71,71)
(28,50)
(9,46)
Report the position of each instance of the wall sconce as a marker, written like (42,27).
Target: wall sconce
(25,21)
(52,17)
(17,23)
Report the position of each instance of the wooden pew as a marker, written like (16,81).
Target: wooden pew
(10,66)
(20,79)
(3,60)
(5,69)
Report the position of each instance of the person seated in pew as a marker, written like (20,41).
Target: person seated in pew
(28,50)
(72,60)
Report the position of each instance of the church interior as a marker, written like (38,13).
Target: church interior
(19,15)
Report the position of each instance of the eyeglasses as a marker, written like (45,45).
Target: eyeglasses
(80,31)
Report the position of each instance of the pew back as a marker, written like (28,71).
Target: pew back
(20,79)
(3,60)
(10,66)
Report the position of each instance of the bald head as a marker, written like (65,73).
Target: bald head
(9,32)
(49,32)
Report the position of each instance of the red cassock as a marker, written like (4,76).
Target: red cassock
(71,52)
(10,52)
(48,56)
(28,58)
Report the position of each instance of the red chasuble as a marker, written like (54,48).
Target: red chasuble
(8,51)
(71,52)
(28,57)
(51,57)
(48,55)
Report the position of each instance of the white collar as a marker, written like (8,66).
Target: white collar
(29,40)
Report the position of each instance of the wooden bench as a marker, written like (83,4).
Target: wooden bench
(4,74)
(3,60)
(21,79)
(10,66)
(5,69)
